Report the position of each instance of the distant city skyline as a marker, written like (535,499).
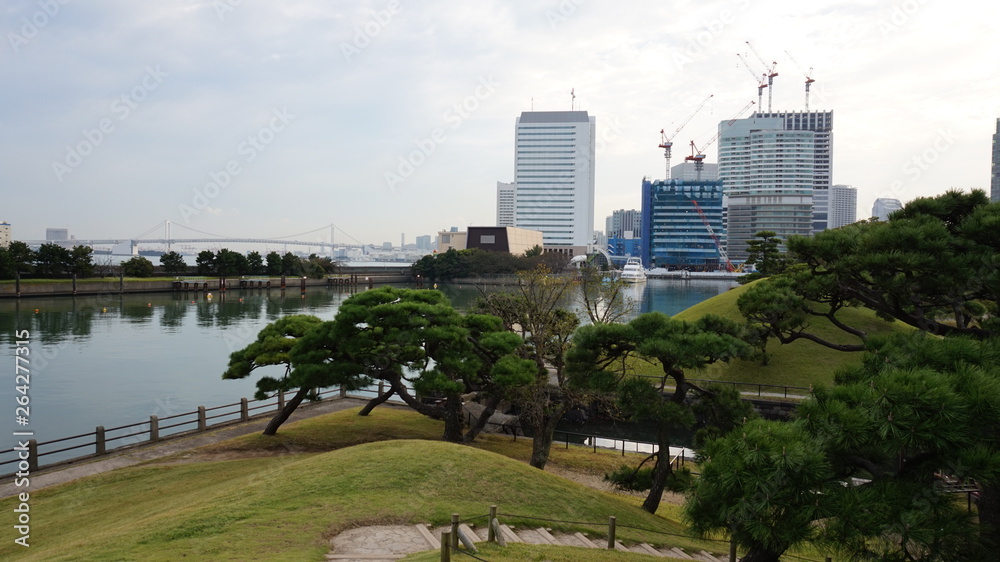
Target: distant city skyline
(383,117)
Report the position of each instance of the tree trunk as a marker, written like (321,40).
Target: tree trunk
(989,516)
(484,418)
(661,472)
(380,399)
(453,421)
(758,553)
(286,412)
(544,435)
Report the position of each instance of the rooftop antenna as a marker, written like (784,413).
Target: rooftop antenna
(572,103)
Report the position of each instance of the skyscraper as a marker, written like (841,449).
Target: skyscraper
(622,221)
(843,206)
(769,171)
(5,239)
(505,203)
(554,177)
(883,206)
(821,123)
(995,171)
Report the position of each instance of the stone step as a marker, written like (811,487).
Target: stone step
(509,534)
(676,552)
(371,557)
(708,556)
(586,542)
(424,532)
(648,549)
(545,534)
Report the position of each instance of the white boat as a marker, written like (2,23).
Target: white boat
(632,272)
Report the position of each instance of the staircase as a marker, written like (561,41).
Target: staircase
(383,543)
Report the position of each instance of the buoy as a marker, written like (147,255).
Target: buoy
(210,295)
(36,311)
(149,304)
(102,310)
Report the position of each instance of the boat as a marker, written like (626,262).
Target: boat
(632,271)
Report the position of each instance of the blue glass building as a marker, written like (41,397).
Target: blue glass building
(674,235)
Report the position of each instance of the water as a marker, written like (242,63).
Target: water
(113,360)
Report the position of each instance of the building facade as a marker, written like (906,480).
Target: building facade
(674,234)
(517,241)
(769,176)
(554,176)
(687,171)
(506,197)
(622,221)
(995,169)
(5,235)
(843,206)
(56,234)
(820,123)
(883,206)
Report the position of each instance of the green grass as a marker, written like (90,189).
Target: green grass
(800,363)
(287,506)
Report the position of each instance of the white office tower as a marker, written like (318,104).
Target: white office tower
(843,206)
(687,171)
(554,177)
(883,206)
(505,203)
(768,174)
(622,221)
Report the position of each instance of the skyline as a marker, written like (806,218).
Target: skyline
(386,118)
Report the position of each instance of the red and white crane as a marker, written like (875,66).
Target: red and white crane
(809,78)
(761,83)
(715,238)
(666,143)
(697,154)
(769,72)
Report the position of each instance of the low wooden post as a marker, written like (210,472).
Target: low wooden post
(154,429)
(732,549)
(244,410)
(281,400)
(17,284)
(100,443)
(74,283)
(202,421)
(343,391)
(32,455)
(381,388)
(491,534)
(446,546)
(611,532)
(121,282)
(454,530)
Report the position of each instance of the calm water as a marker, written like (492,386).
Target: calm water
(115,360)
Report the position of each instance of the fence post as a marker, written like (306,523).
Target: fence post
(154,429)
(454,530)
(281,400)
(100,442)
(381,388)
(343,391)
(445,546)
(201,418)
(244,410)
(32,455)
(732,549)
(491,534)
(611,532)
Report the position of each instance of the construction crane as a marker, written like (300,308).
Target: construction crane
(809,78)
(666,143)
(698,156)
(715,238)
(770,73)
(761,84)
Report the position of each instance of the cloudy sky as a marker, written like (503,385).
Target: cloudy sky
(384,117)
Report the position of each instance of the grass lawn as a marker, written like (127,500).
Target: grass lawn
(800,363)
(264,502)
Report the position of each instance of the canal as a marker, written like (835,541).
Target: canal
(113,360)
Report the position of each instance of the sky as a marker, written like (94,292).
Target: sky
(393,117)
